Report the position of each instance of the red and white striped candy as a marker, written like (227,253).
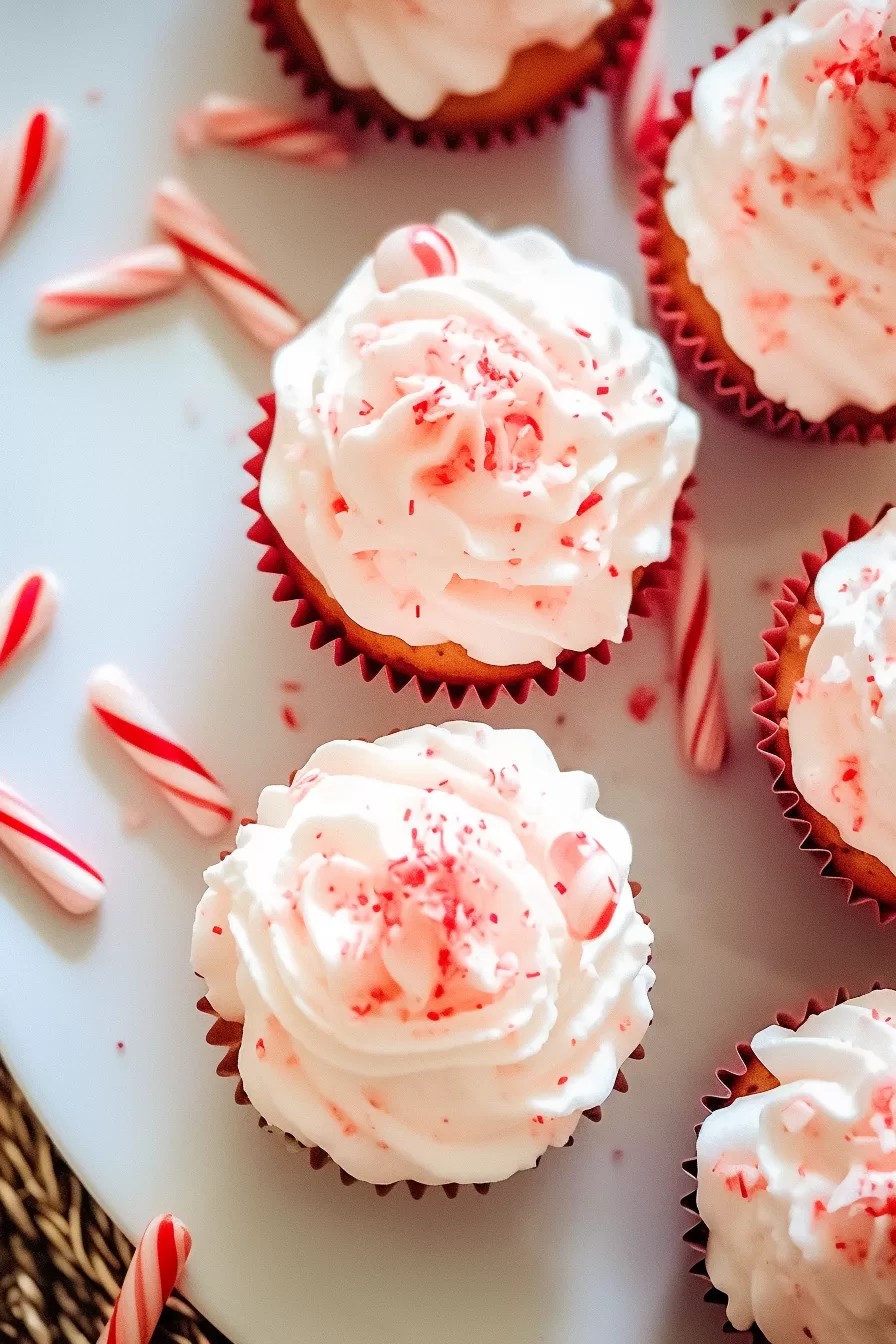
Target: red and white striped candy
(241,124)
(61,872)
(703,717)
(588,886)
(28,607)
(28,159)
(417,252)
(145,736)
(216,259)
(648,100)
(158,1261)
(124,282)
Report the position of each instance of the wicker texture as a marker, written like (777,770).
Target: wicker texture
(61,1257)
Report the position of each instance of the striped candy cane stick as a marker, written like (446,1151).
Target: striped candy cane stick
(648,100)
(158,1261)
(28,159)
(123,282)
(61,872)
(241,124)
(145,736)
(216,259)
(27,609)
(703,717)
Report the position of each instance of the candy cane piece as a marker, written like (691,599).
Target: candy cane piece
(28,607)
(241,124)
(61,872)
(123,282)
(703,717)
(417,252)
(28,159)
(145,736)
(158,1261)
(647,101)
(216,259)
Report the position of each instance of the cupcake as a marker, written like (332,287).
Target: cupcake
(770,229)
(454,74)
(830,715)
(475,460)
(425,956)
(796,1179)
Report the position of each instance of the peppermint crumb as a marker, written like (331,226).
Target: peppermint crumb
(641,703)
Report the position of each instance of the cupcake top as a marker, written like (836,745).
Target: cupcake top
(798,1185)
(433,947)
(483,456)
(784,190)
(417,54)
(842,716)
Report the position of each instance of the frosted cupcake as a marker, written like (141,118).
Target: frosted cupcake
(796,1180)
(455,73)
(834,709)
(425,956)
(476,459)
(771,232)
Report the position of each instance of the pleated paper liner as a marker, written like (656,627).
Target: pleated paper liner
(653,588)
(718,374)
(229,1035)
(748,1078)
(817,836)
(620,40)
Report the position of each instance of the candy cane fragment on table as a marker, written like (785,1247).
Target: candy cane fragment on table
(28,159)
(703,716)
(158,1262)
(70,880)
(144,735)
(28,608)
(219,263)
(238,123)
(120,283)
(416,252)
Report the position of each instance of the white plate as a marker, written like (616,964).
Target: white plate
(120,467)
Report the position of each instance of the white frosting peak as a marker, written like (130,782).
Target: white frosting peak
(434,950)
(483,458)
(842,716)
(798,1185)
(785,193)
(416,54)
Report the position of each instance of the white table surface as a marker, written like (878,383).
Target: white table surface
(120,468)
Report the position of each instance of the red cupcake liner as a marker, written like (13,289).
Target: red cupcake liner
(697,1236)
(611,77)
(706,371)
(654,588)
(793,591)
(230,1036)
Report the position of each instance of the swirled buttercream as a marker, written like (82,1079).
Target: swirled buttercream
(842,715)
(797,1185)
(483,458)
(432,946)
(417,54)
(783,187)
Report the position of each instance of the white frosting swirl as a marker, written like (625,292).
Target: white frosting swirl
(482,458)
(842,716)
(416,54)
(433,947)
(798,1185)
(785,193)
